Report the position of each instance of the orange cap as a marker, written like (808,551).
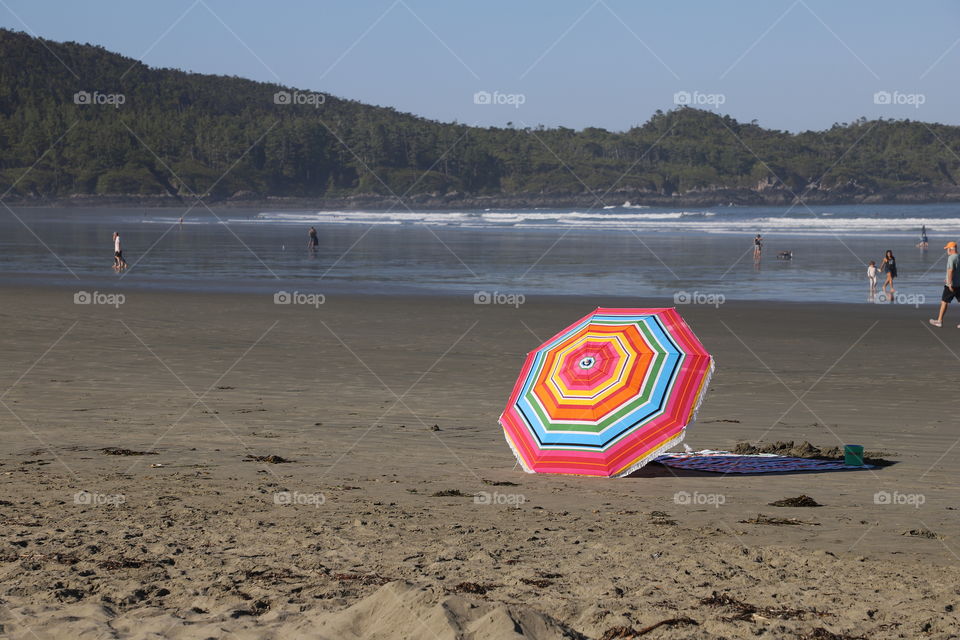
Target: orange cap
(951,245)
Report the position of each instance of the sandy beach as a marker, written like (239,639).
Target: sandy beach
(337,472)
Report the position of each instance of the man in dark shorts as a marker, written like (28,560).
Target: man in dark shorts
(951,287)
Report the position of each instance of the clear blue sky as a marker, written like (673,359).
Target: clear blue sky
(793,65)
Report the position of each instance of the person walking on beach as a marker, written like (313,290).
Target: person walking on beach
(889,265)
(872,278)
(924,242)
(118,262)
(313,242)
(757,247)
(951,286)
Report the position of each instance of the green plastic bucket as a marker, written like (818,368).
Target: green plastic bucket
(853,455)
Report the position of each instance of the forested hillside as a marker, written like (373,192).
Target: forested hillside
(140,131)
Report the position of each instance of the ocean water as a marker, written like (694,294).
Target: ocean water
(682,254)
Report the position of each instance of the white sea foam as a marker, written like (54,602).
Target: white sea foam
(826,223)
(537,219)
(627,205)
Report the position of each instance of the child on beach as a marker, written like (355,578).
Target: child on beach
(872,277)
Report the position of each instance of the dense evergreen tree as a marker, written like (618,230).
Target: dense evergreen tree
(178,133)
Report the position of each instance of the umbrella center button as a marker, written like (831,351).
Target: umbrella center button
(587,363)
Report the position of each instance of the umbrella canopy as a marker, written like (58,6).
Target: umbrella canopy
(607,394)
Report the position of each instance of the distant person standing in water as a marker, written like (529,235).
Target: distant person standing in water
(118,262)
(889,265)
(924,242)
(757,247)
(951,286)
(313,242)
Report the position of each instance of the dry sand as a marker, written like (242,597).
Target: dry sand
(377,543)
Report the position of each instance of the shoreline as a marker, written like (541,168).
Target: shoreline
(413,294)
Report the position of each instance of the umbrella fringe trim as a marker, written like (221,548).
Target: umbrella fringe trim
(639,464)
(649,457)
(516,452)
(703,394)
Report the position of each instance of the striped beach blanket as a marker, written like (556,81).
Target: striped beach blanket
(726,462)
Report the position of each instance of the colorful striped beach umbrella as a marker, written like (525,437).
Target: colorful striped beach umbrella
(607,394)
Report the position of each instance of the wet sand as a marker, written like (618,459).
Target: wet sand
(386,410)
